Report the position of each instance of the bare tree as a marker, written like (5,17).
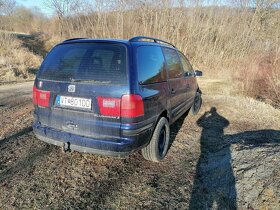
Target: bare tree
(7,7)
(66,10)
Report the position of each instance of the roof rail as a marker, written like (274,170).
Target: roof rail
(138,38)
(72,39)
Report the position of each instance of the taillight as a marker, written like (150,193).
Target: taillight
(41,97)
(109,106)
(130,105)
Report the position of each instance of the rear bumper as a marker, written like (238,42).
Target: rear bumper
(116,147)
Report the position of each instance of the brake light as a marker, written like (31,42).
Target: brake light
(109,106)
(41,97)
(132,106)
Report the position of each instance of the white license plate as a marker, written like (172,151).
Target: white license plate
(83,103)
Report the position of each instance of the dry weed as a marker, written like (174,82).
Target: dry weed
(16,61)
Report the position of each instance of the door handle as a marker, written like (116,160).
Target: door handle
(173,91)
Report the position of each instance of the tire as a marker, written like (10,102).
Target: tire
(157,149)
(197,103)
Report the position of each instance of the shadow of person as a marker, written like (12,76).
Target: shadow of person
(214,184)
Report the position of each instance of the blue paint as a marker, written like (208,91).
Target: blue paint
(170,98)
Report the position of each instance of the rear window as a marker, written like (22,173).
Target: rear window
(86,62)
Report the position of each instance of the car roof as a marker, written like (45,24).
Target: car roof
(89,40)
(135,41)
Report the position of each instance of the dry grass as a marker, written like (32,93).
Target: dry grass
(238,43)
(257,114)
(16,61)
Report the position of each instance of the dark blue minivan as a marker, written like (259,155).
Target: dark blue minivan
(113,97)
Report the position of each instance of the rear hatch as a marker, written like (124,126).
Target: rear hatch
(79,88)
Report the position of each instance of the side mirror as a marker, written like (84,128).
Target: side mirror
(198,73)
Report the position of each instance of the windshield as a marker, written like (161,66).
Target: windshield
(88,62)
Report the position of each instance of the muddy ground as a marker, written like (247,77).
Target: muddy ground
(226,157)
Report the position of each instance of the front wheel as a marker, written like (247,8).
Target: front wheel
(197,103)
(157,149)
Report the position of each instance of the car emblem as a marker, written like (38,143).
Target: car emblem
(71,88)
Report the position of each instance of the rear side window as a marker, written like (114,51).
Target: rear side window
(150,65)
(173,63)
(88,62)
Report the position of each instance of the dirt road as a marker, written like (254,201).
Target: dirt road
(223,158)
(15,108)
(16,90)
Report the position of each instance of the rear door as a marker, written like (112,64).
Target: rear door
(86,82)
(177,92)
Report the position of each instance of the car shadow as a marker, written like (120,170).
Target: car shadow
(214,183)
(175,128)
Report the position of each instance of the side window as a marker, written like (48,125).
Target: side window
(150,65)
(186,64)
(173,63)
